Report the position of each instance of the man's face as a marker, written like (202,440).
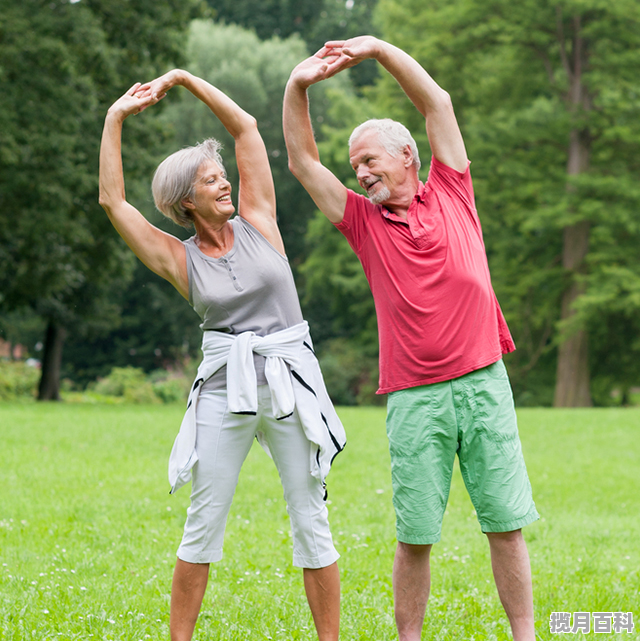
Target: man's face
(377,171)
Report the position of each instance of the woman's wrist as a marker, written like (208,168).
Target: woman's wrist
(178,77)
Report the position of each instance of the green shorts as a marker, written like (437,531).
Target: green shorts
(472,416)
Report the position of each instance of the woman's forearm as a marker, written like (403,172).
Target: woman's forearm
(234,119)
(111,173)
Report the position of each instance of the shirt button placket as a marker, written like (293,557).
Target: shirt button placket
(233,277)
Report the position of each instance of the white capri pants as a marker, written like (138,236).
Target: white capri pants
(223,441)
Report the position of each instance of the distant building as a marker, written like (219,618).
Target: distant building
(9,351)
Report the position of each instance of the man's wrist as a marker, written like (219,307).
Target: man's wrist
(297,85)
(115,116)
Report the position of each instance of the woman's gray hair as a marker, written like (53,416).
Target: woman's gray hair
(392,135)
(175,179)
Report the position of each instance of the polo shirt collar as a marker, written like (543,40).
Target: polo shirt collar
(417,198)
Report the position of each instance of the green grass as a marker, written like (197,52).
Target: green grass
(88,531)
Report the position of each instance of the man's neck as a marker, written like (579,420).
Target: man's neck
(401,201)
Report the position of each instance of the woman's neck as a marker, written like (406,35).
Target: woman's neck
(213,239)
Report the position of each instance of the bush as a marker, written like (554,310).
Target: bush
(132,385)
(128,382)
(171,387)
(350,375)
(18,380)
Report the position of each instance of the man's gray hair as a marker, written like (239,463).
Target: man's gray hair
(392,135)
(175,179)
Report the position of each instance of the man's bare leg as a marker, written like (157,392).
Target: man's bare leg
(512,573)
(411,584)
(322,586)
(187,591)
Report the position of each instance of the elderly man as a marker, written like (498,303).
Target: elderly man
(442,334)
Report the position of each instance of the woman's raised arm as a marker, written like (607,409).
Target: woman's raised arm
(256,197)
(161,252)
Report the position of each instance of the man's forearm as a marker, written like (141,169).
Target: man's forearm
(327,191)
(433,102)
(298,131)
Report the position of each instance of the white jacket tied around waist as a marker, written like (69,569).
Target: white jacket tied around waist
(302,388)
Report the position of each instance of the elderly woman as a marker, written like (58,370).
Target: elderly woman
(259,376)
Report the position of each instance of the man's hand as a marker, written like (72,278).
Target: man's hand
(334,57)
(350,52)
(315,68)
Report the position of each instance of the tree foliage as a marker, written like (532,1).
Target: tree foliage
(61,65)
(546,95)
(315,21)
(157,326)
(254,74)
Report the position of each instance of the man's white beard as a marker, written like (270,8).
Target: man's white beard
(380,196)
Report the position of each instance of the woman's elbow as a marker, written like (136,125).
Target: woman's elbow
(103,201)
(106,201)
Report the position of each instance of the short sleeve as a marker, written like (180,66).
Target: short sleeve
(455,184)
(354,224)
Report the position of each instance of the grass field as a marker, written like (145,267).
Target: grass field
(88,531)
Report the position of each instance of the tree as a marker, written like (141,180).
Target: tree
(253,73)
(315,21)
(157,329)
(61,65)
(546,94)
(334,290)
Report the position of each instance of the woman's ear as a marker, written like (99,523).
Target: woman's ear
(187,203)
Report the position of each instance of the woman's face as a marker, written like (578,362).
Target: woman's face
(212,192)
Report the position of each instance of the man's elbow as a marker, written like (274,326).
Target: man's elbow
(294,167)
(442,101)
(250,122)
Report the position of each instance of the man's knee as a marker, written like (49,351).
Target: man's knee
(514,537)
(412,551)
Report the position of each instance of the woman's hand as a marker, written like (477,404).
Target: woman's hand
(132,102)
(157,89)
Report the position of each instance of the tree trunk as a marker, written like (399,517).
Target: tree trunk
(572,375)
(49,389)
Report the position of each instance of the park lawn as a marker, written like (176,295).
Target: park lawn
(88,531)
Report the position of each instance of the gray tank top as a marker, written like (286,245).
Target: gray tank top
(251,288)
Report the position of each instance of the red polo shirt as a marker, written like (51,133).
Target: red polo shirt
(438,316)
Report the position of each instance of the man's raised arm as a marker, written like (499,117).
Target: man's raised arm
(329,194)
(430,99)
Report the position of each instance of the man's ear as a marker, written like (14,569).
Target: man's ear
(408,156)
